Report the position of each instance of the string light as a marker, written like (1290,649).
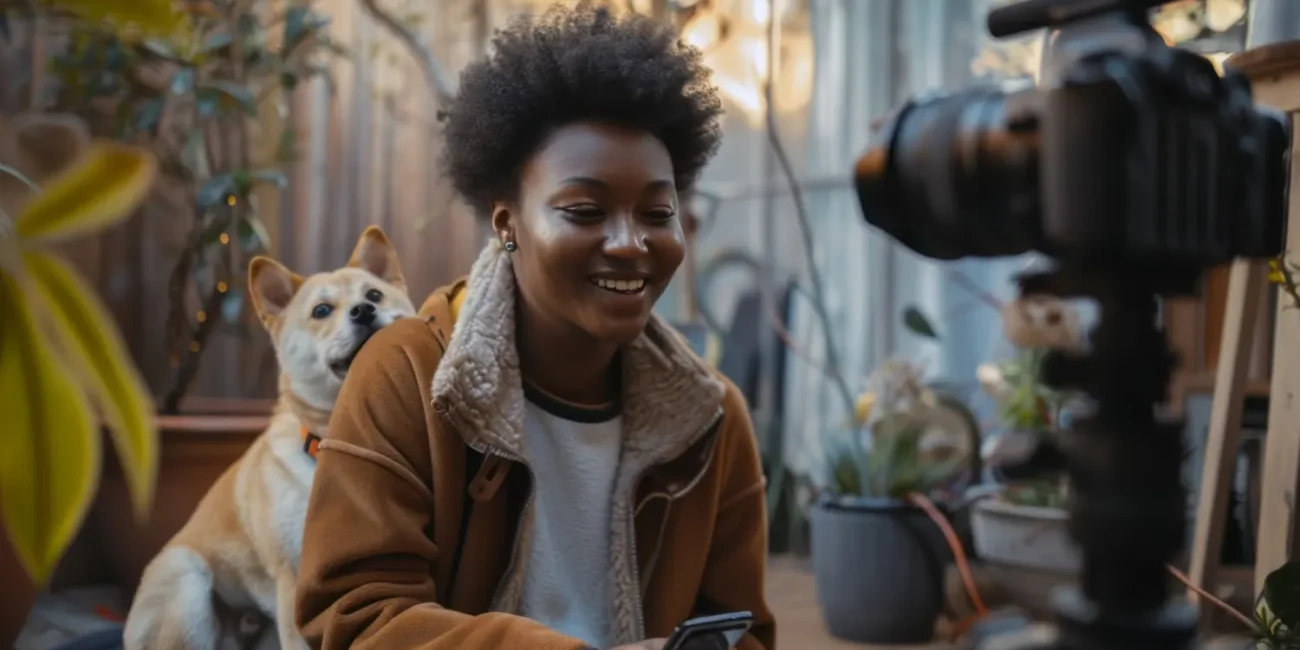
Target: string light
(222,286)
(194,346)
(738,57)
(225,239)
(201,316)
(231,200)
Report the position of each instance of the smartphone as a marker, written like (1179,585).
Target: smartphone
(719,632)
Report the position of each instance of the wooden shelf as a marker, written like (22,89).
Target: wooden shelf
(1203,382)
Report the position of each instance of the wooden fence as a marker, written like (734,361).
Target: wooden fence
(367,154)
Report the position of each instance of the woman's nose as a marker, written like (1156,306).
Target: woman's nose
(625,238)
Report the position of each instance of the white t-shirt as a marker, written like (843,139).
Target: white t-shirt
(573,451)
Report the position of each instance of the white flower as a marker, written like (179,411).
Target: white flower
(1041,322)
(993,381)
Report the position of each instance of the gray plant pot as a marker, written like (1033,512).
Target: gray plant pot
(879,567)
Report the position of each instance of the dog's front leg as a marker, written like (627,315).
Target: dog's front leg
(290,638)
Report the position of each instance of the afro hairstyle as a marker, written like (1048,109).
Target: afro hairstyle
(575,64)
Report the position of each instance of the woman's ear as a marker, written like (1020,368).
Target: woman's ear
(502,222)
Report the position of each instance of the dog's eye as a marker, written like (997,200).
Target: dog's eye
(322,310)
(374,295)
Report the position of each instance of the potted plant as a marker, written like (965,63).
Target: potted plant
(192,91)
(1275,622)
(63,363)
(878,557)
(1025,523)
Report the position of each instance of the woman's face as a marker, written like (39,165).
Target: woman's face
(596,228)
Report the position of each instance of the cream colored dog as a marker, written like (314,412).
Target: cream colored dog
(229,575)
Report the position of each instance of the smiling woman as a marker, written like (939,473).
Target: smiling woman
(564,460)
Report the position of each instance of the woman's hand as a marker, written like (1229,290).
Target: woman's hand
(648,644)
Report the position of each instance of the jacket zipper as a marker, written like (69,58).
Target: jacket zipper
(631,524)
(487,452)
(519,524)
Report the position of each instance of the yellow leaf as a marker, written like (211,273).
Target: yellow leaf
(95,348)
(153,16)
(862,408)
(101,188)
(1275,274)
(50,465)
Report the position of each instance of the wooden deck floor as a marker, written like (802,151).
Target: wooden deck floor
(791,595)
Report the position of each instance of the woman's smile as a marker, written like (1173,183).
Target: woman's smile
(633,286)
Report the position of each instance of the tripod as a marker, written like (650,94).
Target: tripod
(1127,503)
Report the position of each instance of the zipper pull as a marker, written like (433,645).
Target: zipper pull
(491,474)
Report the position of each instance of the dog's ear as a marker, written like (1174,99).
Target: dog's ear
(374,253)
(271,286)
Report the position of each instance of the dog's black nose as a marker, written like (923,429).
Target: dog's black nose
(363,314)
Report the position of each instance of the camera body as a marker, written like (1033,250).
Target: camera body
(1128,151)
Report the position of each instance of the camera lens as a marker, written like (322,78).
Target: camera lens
(956,176)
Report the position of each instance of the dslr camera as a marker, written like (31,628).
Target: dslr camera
(1128,150)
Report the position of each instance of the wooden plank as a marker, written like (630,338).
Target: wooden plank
(792,596)
(1282,446)
(1246,286)
(1215,300)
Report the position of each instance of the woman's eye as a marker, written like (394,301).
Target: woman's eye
(374,295)
(661,215)
(583,211)
(322,310)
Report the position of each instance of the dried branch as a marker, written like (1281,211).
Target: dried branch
(423,53)
(833,371)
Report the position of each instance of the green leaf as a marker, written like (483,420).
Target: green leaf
(182,81)
(286,150)
(334,47)
(299,23)
(918,324)
(845,478)
(148,114)
(271,177)
(160,48)
(223,94)
(194,153)
(214,191)
(253,235)
(933,475)
(1282,594)
(295,24)
(216,41)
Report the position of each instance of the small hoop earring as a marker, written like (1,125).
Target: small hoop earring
(511,247)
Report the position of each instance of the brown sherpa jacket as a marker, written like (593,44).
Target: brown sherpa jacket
(420,503)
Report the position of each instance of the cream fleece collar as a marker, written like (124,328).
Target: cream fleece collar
(670,395)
